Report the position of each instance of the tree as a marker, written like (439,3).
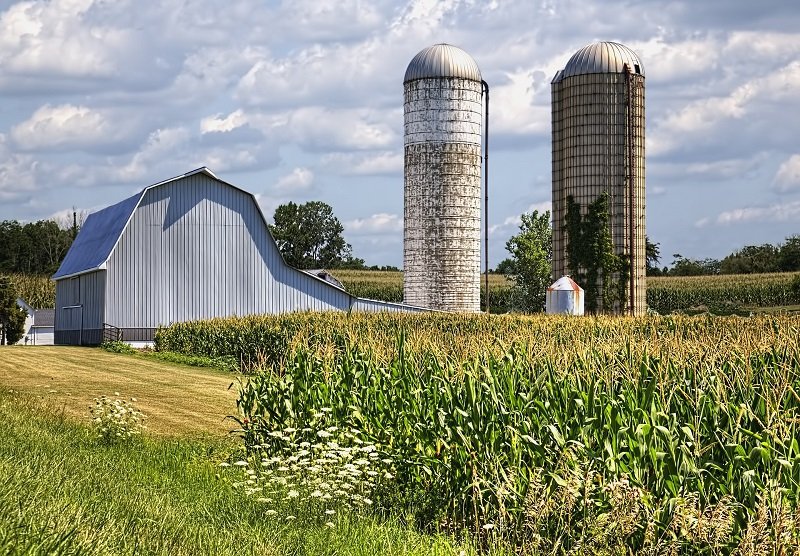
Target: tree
(506,267)
(682,266)
(12,318)
(531,261)
(35,247)
(591,260)
(310,236)
(751,259)
(652,255)
(789,255)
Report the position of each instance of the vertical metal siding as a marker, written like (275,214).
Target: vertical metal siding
(592,130)
(198,248)
(83,324)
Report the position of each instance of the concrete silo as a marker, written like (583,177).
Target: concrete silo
(442,208)
(598,149)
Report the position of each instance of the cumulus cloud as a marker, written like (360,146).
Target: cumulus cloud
(300,179)
(788,176)
(749,104)
(98,93)
(364,164)
(515,110)
(171,151)
(218,123)
(783,212)
(510,224)
(381,223)
(18,173)
(318,129)
(63,127)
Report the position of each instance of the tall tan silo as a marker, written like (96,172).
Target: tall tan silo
(598,148)
(442,208)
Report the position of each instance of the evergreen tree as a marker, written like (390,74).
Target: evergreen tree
(12,318)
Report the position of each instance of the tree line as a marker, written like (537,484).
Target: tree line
(309,236)
(34,247)
(750,259)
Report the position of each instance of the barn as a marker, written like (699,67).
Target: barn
(188,248)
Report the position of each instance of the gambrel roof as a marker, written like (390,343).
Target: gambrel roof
(102,230)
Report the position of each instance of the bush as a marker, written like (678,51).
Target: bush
(116,420)
(119,347)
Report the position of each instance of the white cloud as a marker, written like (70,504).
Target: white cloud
(342,74)
(49,37)
(18,173)
(171,151)
(749,104)
(512,107)
(511,223)
(788,176)
(381,223)
(667,60)
(365,164)
(300,179)
(784,212)
(359,129)
(63,127)
(218,123)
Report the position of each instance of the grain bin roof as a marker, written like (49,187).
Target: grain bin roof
(601,57)
(442,60)
(564,283)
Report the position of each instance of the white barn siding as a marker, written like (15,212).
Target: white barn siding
(196,248)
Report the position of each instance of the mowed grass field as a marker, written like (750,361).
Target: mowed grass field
(65,492)
(178,400)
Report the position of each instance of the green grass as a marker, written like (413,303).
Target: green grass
(179,400)
(63,492)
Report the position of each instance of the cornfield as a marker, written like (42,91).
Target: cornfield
(661,434)
(388,286)
(38,291)
(723,294)
(718,294)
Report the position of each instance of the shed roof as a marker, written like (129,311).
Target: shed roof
(44,317)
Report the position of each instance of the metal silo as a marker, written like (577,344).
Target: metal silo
(442,208)
(564,297)
(598,148)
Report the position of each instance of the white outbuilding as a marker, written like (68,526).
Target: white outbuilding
(564,297)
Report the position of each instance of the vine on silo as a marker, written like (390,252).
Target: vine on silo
(591,258)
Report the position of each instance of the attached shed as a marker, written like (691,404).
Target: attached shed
(38,325)
(191,247)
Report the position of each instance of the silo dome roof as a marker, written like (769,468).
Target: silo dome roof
(602,57)
(442,60)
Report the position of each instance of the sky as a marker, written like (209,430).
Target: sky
(303,100)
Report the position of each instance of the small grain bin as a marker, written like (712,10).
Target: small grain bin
(565,296)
